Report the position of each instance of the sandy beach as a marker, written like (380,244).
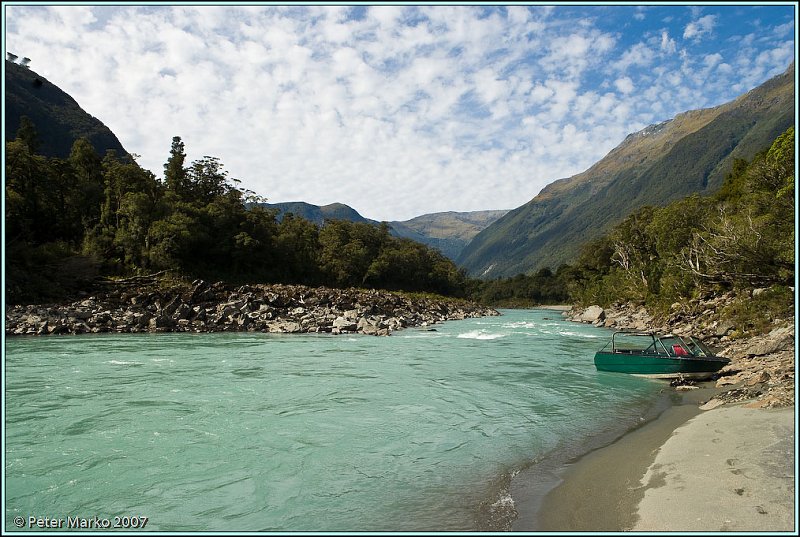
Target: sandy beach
(554,307)
(726,469)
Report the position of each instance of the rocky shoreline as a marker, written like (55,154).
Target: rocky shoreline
(219,307)
(762,368)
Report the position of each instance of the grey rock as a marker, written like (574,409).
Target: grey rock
(592,314)
(343,324)
(780,339)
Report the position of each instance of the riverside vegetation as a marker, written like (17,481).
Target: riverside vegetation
(71,220)
(96,229)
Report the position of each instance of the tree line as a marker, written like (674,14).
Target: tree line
(195,221)
(198,222)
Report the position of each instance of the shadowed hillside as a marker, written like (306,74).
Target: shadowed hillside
(58,119)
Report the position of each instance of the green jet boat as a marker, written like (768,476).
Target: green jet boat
(648,354)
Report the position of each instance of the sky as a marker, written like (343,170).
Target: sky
(399,110)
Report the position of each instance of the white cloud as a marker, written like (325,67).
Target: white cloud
(700,27)
(405,111)
(711,60)
(639,55)
(667,43)
(624,85)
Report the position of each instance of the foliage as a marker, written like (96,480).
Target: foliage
(740,238)
(522,290)
(195,222)
(756,314)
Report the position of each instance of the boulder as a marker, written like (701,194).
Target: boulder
(780,339)
(162,321)
(592,314)
(344,324)
(758,378)
(727,381)
(723,329)
(766,402)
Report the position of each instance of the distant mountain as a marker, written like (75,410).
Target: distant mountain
(448,232)
(58,119)
(691,153)
(318,214)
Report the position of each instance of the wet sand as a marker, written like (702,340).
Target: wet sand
(681,471)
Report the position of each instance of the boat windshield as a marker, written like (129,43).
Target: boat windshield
(676,346)
(670,345)
(698,347)
(633,342)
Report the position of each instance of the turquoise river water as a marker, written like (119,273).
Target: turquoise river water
(418,431)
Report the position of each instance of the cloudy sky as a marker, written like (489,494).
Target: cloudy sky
(397,111)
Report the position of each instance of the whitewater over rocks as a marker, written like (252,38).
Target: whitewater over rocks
(218,307)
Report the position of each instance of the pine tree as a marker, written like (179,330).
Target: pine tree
(175,174)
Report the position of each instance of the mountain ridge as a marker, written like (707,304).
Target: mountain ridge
(662,162)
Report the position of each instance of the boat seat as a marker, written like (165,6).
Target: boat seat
(679,350)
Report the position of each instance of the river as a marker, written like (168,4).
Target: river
(419,431)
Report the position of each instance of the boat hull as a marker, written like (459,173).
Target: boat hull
(658,366)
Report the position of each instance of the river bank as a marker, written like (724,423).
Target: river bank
(218,307)
(727,469)
(762,367)
(721,458)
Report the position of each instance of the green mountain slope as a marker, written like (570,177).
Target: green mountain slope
(691,153)
(58,119)
(448,232)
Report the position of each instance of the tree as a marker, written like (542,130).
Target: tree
(297,251)
(207,180)
(749,240)
(347,249)
(27,134)
(175,174)
(32,201)
(121,177)
(173,239)
(87,195)
(136,213)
